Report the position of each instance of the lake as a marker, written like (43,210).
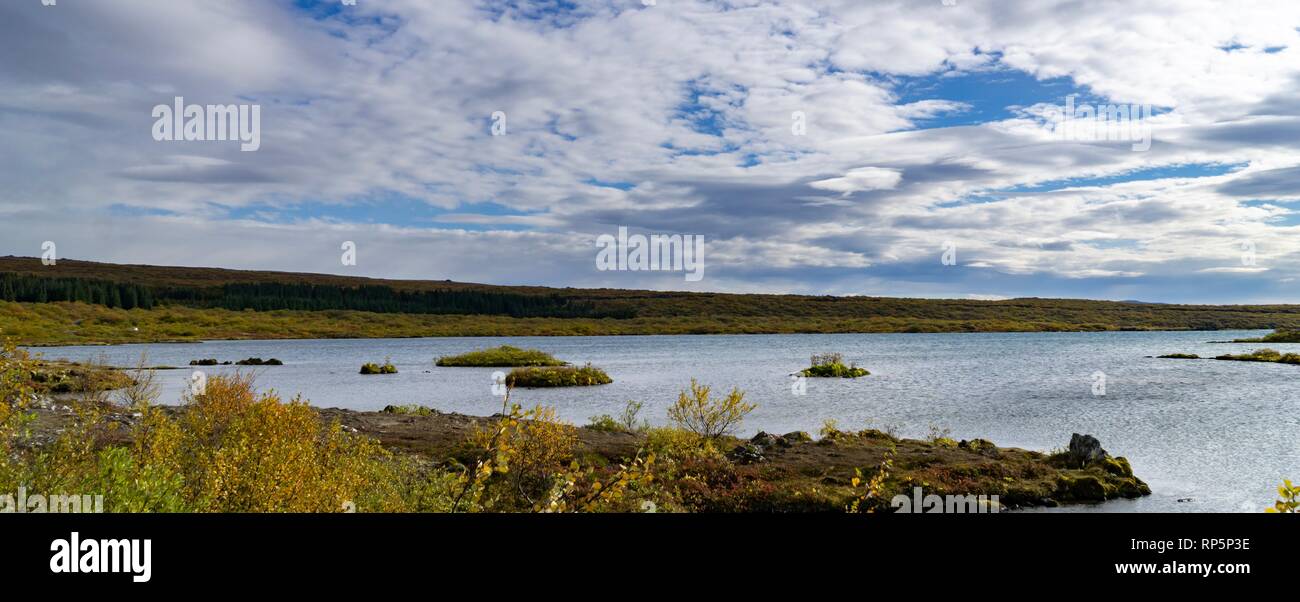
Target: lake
(1223,434)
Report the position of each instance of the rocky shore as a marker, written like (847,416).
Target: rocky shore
(794,472)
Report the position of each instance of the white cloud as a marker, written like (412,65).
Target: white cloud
(675,117)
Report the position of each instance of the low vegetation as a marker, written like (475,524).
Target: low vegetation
(831,365)
(1289,499)
(1180,356)
(557,376)
(503,356)
(1263,355)
(696,411)
(627,422)
(1277,336)
(257,361)
(385,368)
(409,410)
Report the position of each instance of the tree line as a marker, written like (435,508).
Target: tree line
(268,296)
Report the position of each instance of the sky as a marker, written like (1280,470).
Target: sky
(909,148)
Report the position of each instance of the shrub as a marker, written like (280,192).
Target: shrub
(503,356)
(678,444)
(941,437)
(228,450)
(1289,501)
(872,491)
(520,465)
(627,422)
(241,452)
(707,417)
(557,376)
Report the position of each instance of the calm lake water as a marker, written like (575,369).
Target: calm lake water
(1224,434)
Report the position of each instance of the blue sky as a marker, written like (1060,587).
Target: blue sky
(819,146)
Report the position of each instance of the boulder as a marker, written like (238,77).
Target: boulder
(747,453)
(768,440)
(1085,450)
(797,437)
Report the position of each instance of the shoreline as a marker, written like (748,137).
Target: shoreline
(259,338)
(794,472)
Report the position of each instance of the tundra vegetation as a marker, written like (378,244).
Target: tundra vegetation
(504,356)
(831,365)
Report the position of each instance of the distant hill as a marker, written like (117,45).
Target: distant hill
(25,280)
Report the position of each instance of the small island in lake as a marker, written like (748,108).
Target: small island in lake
(1263,355)
(1277,336)
(535,377)
(503,356)
(372,368)
(831,365)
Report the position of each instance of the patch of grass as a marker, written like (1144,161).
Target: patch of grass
(557,376)
(410,410)
(831,365)
(503,356)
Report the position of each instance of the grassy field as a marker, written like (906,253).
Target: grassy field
(79,323)
(640,312)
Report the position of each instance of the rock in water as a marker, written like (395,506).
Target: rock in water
(1086,449)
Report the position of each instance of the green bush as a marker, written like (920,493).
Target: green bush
(627,422)
(710,418)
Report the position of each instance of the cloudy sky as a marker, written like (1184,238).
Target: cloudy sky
(818,146)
